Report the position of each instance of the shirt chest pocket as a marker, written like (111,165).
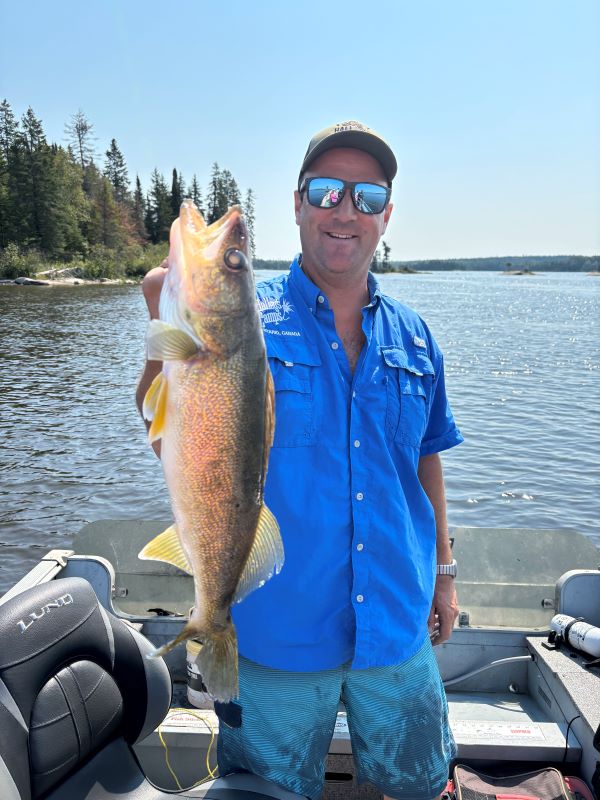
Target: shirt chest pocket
(409,384)
(293,377)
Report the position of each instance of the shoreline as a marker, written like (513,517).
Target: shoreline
(23,281)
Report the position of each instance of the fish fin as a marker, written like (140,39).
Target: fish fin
(217,660)
(269,411)
(166,547)
(265,557)
(151,397)
(168,343)
(155,406)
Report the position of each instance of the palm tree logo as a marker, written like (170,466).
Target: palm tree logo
(286,309)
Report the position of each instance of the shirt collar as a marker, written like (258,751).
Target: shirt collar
(310,292)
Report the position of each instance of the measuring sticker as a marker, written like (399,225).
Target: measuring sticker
(497,731)
(341,725)
(195,720)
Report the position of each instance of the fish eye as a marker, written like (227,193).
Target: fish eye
(235,259)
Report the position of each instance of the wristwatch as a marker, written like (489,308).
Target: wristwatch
(447,569)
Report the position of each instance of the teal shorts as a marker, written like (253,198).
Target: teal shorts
(397,718)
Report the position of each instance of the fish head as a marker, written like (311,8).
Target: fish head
(211,281)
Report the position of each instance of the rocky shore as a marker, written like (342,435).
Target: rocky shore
(64,277)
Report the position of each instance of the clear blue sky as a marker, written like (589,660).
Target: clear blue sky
(493,108)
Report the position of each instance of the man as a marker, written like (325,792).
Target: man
(355,481)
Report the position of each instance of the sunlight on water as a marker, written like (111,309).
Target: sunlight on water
(522,360)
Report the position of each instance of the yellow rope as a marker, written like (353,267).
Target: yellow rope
(210,772)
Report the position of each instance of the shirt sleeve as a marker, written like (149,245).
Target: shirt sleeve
(441,432)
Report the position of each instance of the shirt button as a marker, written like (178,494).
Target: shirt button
(321,299)
(334,345)
(359,598)
(359,495)
(353,394)
(359,546)
(356,443)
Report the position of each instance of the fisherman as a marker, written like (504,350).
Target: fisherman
(355,482)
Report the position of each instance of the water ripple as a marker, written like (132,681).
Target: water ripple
(522,359)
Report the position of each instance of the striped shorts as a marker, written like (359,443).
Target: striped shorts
(397,718)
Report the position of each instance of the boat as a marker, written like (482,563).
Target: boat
(519,696)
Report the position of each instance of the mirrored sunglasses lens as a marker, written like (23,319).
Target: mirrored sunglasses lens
(370,198)
(325,192)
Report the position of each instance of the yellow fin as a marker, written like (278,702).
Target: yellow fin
(155,406)
(167,343)
(269,412)
(265,558)
(166,547)
(151,397)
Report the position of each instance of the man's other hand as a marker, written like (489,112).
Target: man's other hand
(444,609)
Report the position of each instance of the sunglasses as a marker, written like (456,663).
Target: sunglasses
(369,198)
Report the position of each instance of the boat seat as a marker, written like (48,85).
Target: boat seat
(76,692)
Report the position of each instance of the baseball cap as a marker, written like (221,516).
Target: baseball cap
(351,134)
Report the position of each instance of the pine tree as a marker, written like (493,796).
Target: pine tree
(217,200)
(139,211)
(8,135)
(177,193)
(385,261)
(159,213)
(230,189)
(5,205)
(8,129)
(81,138)
(375,261)
(248,207)
(115,170)
(196,195)
(30,172)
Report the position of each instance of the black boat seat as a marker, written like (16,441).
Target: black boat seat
(76,692)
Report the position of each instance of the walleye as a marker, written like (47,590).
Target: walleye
(213,408)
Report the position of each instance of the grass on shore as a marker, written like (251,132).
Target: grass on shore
(100,264)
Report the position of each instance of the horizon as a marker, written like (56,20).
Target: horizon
(493,112)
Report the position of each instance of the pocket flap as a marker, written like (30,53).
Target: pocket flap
(415,362)
(292,350)
(290,377)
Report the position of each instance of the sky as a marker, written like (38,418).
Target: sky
(492,107)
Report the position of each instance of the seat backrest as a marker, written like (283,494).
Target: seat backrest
(73,679)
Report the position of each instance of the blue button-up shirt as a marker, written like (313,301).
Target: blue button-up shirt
(357,527)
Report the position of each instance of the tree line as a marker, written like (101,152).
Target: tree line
(61,207)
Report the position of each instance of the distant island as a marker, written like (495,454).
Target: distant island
(508,264)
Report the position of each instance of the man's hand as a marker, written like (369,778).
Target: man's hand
(444,609)
(151,287)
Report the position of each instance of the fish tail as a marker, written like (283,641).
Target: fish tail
(217,660)
(189,632)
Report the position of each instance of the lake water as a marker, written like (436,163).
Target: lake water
(522,372)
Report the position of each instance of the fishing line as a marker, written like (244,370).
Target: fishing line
(210,772)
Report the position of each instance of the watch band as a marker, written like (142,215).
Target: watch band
(447,569)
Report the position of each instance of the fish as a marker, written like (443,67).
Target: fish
(213,408)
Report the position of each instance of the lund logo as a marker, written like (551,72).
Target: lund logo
(65,600)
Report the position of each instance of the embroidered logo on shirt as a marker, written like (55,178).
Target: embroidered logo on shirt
(273,311)
(418,342)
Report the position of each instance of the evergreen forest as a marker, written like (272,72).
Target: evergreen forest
(65,208)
